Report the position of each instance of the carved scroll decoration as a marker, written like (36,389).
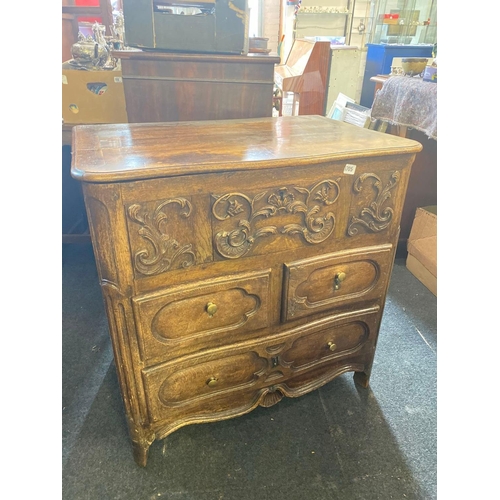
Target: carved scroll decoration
(313,227)
(375,217)
(162,252)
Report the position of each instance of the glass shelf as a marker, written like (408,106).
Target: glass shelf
(407,22)
(324,14)
(325,18)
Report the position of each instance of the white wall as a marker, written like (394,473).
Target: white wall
(271,23)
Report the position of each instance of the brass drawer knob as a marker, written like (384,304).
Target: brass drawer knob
(332,346)
(211,308)
(212,382)
(339,277)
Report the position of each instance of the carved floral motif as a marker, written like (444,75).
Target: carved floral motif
(313,226)
(163,252)
(375,217)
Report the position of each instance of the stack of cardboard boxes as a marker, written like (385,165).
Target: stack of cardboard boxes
(422,247)
(92,96)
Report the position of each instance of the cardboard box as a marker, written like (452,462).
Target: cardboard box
(92,96)
(422,247)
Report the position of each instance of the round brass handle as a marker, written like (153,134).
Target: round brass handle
(212,382)
(332,346)
(211,308)
(339,277)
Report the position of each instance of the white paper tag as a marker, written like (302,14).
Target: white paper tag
(349,169)
(65,80)
(117,79)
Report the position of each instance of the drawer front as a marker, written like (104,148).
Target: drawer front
(320,283)
(203,380)
(235,379)
(307,350)
(191,317)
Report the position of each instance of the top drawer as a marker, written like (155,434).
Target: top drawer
(188,318)
(320,283)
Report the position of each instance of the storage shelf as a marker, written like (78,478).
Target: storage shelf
(323,13)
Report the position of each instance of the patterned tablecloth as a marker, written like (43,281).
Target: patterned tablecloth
(409,102)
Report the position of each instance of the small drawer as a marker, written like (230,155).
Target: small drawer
(320,283)
(341,340)
(195,316)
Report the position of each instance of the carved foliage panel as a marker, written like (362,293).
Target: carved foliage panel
(161,235)
(274,219)
(374,198)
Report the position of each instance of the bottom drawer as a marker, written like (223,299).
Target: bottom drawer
(231,381)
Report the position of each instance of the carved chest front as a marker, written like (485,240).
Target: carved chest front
(240,261)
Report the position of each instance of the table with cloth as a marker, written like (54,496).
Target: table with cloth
(409,105)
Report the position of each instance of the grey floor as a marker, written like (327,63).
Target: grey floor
(339,442)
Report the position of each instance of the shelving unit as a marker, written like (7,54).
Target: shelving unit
(324,18)
(404,22)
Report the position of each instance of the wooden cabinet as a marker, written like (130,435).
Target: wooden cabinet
(240,260)
(169,86)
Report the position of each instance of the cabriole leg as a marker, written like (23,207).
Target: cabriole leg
(141,451)
(362,379)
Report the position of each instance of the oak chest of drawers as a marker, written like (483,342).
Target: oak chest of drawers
(240,260)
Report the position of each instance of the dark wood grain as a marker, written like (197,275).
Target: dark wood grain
(166,86)
(134,151)
(239,261)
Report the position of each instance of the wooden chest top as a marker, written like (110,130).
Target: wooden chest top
(124,152)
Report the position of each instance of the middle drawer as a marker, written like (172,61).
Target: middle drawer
(203,314)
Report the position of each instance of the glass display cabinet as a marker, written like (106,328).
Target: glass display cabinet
(399,28)
(408,22)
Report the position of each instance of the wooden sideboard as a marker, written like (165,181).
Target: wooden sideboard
(168,86)
(240,261)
